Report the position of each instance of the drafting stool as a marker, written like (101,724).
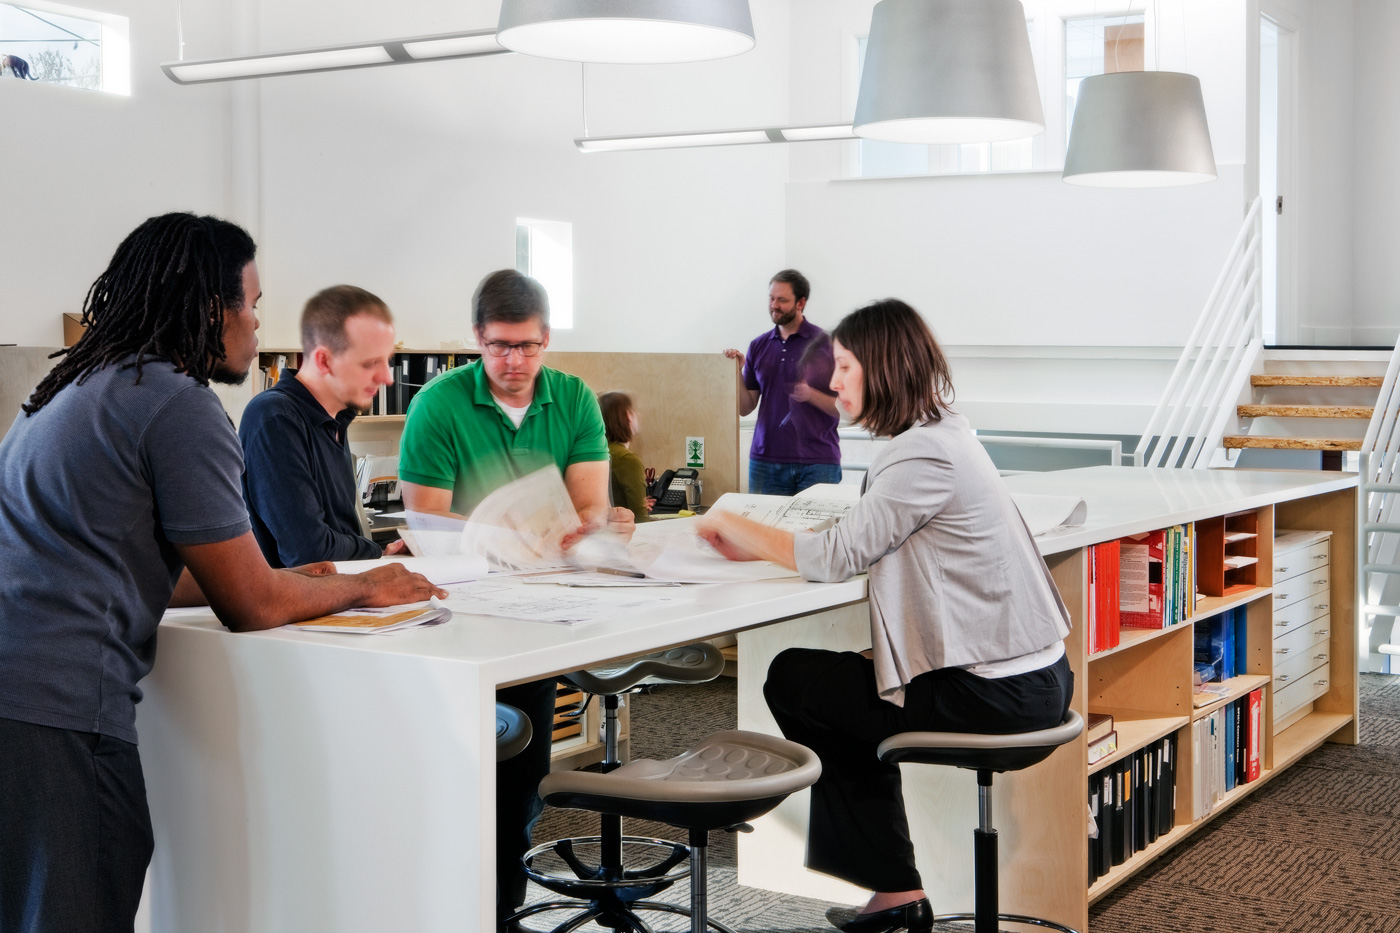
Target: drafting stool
(720,783)
(610,881)
(985,754)
(513,731)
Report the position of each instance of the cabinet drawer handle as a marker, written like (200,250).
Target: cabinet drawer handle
(1280,570)
(1282,651)
(1319,657)
(1320,632)
(1319,683)
(1283,624)
(1321,607)
(1322,556)
(1320,582)
(1283,677)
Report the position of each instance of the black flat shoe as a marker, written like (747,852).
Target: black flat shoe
(915,916)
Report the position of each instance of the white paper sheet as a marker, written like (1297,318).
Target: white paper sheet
(1046,514)
(510,598)
(440,571)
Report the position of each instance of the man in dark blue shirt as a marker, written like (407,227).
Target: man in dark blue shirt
(299,476)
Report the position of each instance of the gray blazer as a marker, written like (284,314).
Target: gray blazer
(955,577)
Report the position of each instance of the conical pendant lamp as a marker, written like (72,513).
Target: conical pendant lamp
(638,32)
(948,71)
(1139,129)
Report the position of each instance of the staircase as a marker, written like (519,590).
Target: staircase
(1306,400)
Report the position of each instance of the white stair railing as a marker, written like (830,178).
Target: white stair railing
(1189,423)
(1378,527)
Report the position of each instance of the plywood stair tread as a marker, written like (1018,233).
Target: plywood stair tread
(1293,443)
(1289,379)
(1306,411)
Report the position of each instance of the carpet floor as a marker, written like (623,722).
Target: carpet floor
(1317,850)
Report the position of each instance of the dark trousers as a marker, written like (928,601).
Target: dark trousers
(75,834)
(826,700)
(518,803)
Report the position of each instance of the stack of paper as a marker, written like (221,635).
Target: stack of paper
(377,621)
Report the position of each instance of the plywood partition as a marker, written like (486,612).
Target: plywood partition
(678,395)
(21,369)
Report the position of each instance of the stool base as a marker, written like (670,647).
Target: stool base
(1009,918)
(619,917)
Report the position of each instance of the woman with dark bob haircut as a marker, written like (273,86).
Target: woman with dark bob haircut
(966,626)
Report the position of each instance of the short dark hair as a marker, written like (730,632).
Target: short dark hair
(906,376)
(323,319)
(801,288)
(616,406)
(162,297)
(509,297)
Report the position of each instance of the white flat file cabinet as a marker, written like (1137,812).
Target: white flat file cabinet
(1302,611)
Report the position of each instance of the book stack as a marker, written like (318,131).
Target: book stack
(1103,629)
(411,372)
(1132,802)
(1157,578)
(1228,746)
(1103,738)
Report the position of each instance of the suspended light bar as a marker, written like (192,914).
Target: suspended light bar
(780,134)
(337,58)
(1139,129)
(627,32)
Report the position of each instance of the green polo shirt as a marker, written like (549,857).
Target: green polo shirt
(458,438)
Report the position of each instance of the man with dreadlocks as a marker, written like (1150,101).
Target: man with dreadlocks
(122,483)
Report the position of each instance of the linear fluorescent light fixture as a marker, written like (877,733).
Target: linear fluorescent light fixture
(778,134)
(448,45)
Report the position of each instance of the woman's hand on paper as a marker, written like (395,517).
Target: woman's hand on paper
(616,520)
(711,528)
(393,585)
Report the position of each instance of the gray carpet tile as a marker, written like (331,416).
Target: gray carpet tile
(1317,850)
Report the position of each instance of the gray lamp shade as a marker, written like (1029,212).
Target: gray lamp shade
(1139,129)
(638,32)
(948,71)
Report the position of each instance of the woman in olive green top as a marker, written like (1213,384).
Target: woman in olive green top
(629,486)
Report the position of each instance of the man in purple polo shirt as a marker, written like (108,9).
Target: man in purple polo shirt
(786,375)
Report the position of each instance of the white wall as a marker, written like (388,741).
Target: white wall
(1020,259)
(82,168)
(1376,141)
(408,181)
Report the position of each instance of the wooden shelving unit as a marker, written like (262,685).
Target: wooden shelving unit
(1146,681)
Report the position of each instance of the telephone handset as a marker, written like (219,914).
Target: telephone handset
(670,490)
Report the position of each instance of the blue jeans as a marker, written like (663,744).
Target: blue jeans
(788,479)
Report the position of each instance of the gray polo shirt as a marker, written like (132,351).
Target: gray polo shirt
(96,489)
(955,576)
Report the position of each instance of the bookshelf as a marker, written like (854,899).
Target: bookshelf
(1145,682)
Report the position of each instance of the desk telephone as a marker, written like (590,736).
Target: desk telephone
(673,490)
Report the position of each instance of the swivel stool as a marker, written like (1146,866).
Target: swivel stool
(513,731)
(720,783)
(609,881)
(985,754)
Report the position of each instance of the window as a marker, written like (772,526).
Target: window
(1099,45)
(65,45)
(879,159)
(544,250)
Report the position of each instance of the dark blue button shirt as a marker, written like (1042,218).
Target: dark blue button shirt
(788,431)
(299,478)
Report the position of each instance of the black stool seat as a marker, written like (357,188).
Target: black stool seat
(987,755)
(728,778)
(979,752)
(690,664)
(513,731)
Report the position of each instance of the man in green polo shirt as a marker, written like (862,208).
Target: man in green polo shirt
(477,427)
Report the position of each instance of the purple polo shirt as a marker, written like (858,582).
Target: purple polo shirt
(789,431)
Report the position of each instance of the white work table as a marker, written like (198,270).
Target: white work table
(334,783)
(321,782)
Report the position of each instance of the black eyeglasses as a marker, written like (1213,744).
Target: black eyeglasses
(501,348)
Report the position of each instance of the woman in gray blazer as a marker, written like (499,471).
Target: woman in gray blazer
(966,625)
